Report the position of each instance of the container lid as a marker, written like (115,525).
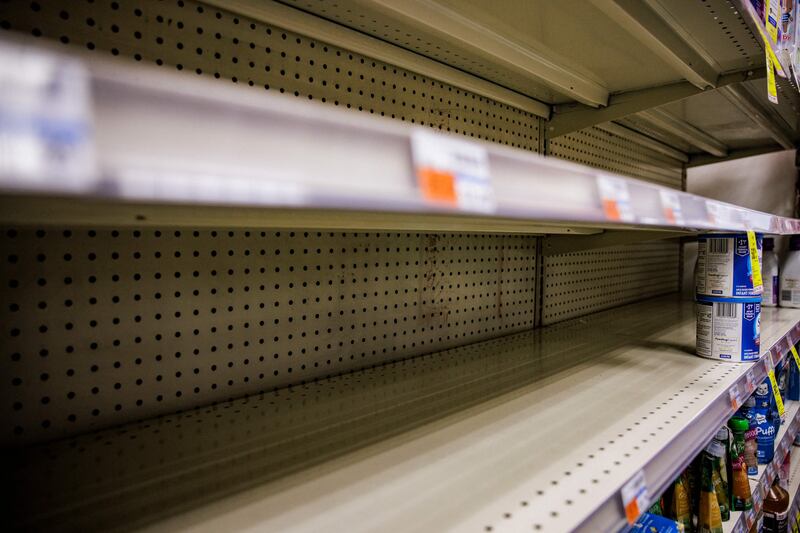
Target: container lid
(708,299)
(738,424)
(794,242)
(722,434)
(769,244)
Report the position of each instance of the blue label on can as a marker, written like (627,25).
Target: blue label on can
(751,331)
(742,268)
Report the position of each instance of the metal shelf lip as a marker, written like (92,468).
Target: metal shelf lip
(165,140)
(454,440)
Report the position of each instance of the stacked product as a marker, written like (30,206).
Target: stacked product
(728,291)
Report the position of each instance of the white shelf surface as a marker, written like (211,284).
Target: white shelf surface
(760,483)
(170,149)
(540,428)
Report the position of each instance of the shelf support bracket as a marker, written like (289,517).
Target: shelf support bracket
(573,117)
(562,244)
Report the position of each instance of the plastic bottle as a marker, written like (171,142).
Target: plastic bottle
(680,508)
(770,274)
(765,421)
(790,275)
(719,475)
(776,510)
(750,444)
(740,484)
(710,517)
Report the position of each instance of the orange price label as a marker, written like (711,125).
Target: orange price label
(634,497)
(452,172)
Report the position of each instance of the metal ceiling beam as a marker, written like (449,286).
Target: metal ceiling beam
(538,61)
(574,117)
(706,159)
(318,28)
(643,140)
(692,135)
(741,98)
(661,34)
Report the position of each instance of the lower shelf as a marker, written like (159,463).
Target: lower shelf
(539,429)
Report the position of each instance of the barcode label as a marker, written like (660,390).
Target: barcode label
(727,310)
(718,246)
(786,296)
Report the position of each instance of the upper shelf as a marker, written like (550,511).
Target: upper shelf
(168,149)
(477,438)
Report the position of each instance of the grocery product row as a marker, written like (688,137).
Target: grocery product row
(735,275)
(753,448)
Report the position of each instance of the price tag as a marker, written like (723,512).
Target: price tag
(775,392)
(784,447)
(46,135)
(734,396)
(635,497)
(795,355)
(452,172)
(755,266)
(671,205)
(772,14)
(757,497)
(750,383)
(615,199)
(749,517)
(772,88)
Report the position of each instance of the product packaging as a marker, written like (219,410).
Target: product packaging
(652,523)
(729,329)
(723,268)
(740,484)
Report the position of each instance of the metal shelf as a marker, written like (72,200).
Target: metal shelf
(180,151)
(540,428)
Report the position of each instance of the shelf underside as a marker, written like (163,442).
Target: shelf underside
(536,428)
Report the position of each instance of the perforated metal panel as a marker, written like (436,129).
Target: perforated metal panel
(201,40)
(580,283)
(104,326)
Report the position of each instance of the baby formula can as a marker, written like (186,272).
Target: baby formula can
(729,329)
(723,265)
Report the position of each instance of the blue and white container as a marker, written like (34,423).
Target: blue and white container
(723,265)
(729,329)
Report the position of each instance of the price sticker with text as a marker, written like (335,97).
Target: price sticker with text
(795,356)
(755,265)
(671,206)
(635,497)
(772,14)
(775,392)
(615,199)
(750,382)
(736,401)
(452,172)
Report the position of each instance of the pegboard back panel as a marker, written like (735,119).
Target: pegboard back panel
(580,283)
(104,326)
(600,149)
(205,41)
